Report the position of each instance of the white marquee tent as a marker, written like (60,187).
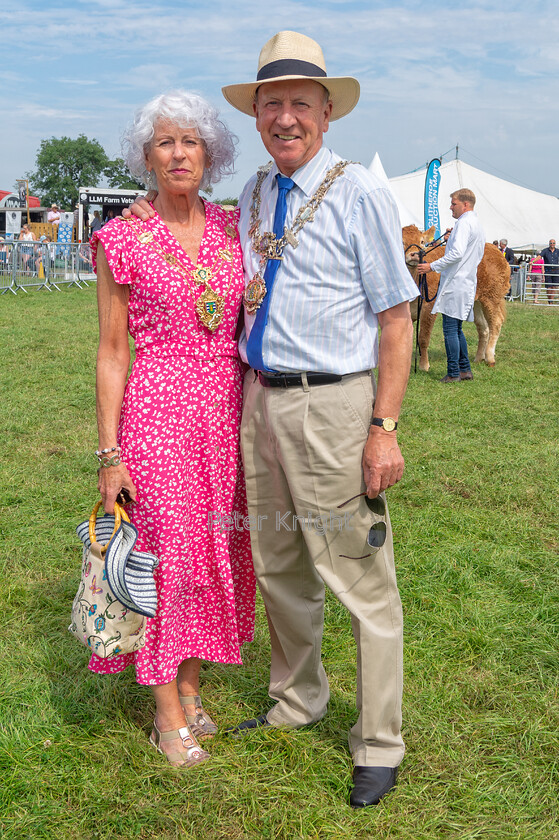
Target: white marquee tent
(406,216)
(528,219)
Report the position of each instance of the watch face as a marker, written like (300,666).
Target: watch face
(388,424)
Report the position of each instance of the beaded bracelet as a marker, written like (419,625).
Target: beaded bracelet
(113,461)
(100,452)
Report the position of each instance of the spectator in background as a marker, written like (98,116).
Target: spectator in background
(51,248)
(26,251)
(508,254)
(535,269)
(96,224)
(110,215)
(551,259)
(39,252)
(3,254)
(53,215)
(85,262)
(75,223)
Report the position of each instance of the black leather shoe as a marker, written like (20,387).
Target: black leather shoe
(259,722)
(371,784)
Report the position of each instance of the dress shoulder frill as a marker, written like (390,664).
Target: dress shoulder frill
(117,239)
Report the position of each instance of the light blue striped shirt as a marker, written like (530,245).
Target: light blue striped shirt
(349,265)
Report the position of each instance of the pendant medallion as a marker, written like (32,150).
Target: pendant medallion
(254,294)
(210,307)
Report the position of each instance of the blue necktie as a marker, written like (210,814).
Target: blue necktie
(254,344)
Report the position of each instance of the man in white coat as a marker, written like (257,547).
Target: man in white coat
(457,288)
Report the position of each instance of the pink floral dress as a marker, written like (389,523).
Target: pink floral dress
(179,434)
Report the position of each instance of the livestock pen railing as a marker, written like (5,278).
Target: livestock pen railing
(44,265)
(541,288)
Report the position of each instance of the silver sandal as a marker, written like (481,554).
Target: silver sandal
(200,723)
(194,752)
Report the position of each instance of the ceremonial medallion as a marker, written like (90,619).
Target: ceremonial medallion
(254,294)
(209,308)
(230,231)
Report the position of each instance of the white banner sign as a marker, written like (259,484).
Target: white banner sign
(13,221)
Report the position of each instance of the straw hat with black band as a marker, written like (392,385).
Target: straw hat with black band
(290,55)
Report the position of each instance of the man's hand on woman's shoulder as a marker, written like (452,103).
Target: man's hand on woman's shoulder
(141,207)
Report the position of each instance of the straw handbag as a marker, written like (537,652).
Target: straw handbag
(117,588)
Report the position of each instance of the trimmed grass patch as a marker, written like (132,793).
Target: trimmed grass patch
(475,526)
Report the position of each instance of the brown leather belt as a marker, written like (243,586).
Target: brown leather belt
(293,380)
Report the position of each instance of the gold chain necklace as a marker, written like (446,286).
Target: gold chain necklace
(210,305)
(267,244)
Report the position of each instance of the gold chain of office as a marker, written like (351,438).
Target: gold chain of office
(267,244)
(210,305)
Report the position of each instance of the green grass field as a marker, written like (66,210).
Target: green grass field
(475,524)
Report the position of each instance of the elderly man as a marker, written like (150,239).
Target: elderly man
(324,267)
(53,216)
(457,287)
(551,268)
(507,252)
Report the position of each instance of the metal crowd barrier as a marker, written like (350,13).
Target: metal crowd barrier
(6,261)
(517,275)
(44,265)
(540,290)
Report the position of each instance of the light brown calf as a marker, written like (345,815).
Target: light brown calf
(493,282)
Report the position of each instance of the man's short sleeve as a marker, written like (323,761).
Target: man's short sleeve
(377,239)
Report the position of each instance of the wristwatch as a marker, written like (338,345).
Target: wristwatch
(387,423)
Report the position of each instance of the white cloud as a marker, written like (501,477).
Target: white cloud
(83,82)
(430,73)
(37,111)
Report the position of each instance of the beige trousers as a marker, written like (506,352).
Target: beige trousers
(302,450)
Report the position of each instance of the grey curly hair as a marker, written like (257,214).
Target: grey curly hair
(190,111)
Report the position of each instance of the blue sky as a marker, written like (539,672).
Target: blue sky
(485,76)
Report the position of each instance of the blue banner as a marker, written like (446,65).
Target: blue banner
(431,204)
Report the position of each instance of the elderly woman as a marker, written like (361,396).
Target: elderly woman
(168,437)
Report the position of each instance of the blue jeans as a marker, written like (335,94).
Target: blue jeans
(457,360)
